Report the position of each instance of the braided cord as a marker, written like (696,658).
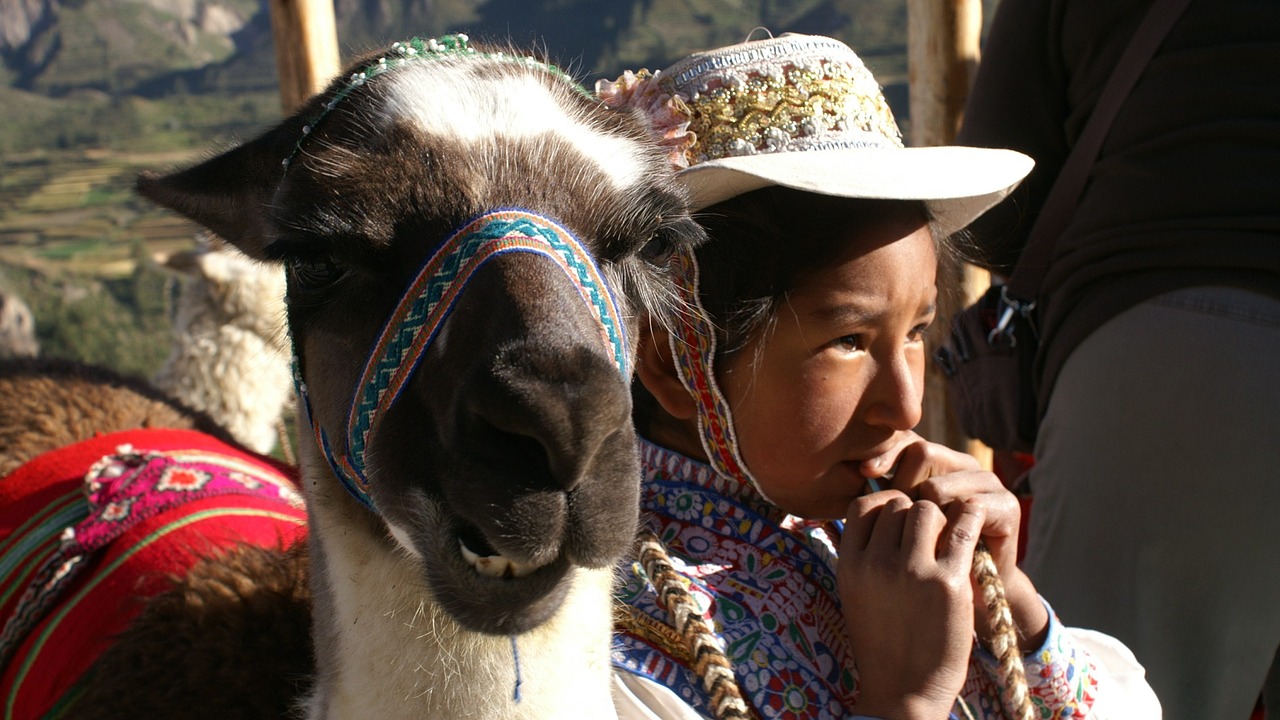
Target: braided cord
(1004,636)
(709,662)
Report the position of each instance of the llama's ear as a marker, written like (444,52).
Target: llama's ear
(656,370)
(228,194)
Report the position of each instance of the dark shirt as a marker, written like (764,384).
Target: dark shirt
(1186,188)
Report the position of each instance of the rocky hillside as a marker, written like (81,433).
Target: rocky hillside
(54,46)
(155,47)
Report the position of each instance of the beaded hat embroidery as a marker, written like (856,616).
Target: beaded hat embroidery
(803,111)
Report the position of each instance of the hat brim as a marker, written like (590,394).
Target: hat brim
(957,183)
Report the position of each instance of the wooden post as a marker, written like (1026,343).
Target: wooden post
(943,41)
(943,38)
(305,36)
(306,42)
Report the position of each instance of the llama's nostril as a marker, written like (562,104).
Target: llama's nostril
(549,414)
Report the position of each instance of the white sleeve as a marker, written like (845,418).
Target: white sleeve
(1123,690)
(639,698)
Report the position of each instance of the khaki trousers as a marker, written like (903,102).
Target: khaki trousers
(1156,516)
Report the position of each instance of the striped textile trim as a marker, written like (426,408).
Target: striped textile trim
(68,606)
(35,540)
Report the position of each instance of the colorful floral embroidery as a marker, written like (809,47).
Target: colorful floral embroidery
(766,583)
(767,589)
(182,479)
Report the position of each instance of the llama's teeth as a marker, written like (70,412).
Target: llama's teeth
(521,570)
(494,567)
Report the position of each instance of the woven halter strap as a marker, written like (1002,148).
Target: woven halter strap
(428,302)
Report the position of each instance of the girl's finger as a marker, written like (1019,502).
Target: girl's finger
(921,460)
(925,521)
(945,488)
(861,519)
(960,538)
(1003,513)
(887,534)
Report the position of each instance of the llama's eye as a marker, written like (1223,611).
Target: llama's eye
(315,273)
(672,235)
(658,249)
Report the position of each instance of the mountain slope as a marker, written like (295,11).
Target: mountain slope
(155,47)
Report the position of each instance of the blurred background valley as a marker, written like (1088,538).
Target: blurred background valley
(92,91)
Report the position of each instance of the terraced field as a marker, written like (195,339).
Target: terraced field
(77,246)
(77,212)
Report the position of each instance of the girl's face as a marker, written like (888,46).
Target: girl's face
(838,379)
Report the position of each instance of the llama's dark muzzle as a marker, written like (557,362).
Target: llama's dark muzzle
(550,469)
(510,457)
(568,402)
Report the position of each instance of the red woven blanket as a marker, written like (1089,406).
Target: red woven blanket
(90,531)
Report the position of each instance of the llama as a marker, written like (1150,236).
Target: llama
(230,356)
(467,453)
(17,328)
(48,403)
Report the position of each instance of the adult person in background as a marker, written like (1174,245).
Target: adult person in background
(1157,474)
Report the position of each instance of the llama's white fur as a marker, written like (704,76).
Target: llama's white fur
(472,118)
(230,354)
(407,658)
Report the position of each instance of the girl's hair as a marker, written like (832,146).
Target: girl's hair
(763,244)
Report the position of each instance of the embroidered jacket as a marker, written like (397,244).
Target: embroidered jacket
(766,583)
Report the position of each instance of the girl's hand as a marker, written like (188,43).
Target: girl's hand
(903,578)
(928,471)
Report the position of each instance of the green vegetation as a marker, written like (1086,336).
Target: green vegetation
(133,87)
(121,322)
(33,123)
(76,244)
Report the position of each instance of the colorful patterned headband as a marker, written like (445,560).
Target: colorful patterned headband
(415,50)
(693,346)
(427,303)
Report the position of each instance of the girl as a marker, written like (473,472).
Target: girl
(782,403)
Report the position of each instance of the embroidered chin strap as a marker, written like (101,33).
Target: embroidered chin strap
(693,346)
(427,303)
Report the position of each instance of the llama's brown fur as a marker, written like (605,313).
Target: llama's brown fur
(46,404)
(243,619)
